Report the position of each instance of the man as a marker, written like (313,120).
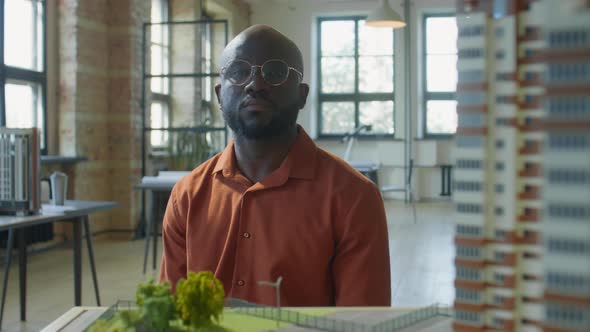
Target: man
(272,204)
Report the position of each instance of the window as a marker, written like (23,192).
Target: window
(569,141)
(467,316)
(22,66)
(468,273)
(469,230)
(499,278)
(499,256)
(569,283)
(468,208)
(468,295)
(440,74)
(160,65)
(568,246)
(469,142)
(468,164)
(568,211)
(498,299)
(569,176)
(568,316)
(568,38)
(355,77)
(468,186)
(500,234)
(571,107)
(468,252)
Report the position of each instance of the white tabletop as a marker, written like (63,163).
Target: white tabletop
(70,209)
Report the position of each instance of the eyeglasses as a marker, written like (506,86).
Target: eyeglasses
(274,72)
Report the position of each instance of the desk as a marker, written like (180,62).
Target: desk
(150,223)
(80,318)
(75,212)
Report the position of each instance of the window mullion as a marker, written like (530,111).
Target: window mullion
(356,75)
(35,56)
(2,68)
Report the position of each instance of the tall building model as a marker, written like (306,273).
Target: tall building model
(522,157)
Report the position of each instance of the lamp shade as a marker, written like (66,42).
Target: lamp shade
(384,16)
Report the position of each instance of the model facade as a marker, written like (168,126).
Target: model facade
(510,174)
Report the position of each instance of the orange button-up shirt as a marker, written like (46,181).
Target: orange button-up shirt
(314,221)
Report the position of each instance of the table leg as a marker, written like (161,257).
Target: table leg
(445,180)
(7,261)
(148,229)
(22,271)
(77,262)
(91,257)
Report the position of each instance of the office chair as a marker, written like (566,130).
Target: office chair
(408,187)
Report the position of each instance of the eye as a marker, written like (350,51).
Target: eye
(237,71)
(275,71)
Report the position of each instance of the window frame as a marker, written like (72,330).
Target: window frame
(427,96)
(10,73)
(356,97)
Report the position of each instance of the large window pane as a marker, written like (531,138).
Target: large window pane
(442,73)
(159,66)
(24,107)
(337,75)
(158,119)
(356,76)
(375,41)
(338,118)
(378,114)
(23,34)
(442,116)
(21,105)
(337,38)
(376,74)
(441,34)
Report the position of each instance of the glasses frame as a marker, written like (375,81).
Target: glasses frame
(252,67)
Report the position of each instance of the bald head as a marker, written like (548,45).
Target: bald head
(262,41)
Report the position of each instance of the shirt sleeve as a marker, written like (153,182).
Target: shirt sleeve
(173,266)
(360,267)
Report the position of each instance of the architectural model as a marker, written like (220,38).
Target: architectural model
(522,157)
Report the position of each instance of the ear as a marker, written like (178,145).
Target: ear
(217,91)
(303,92)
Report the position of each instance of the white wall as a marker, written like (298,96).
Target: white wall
(297,20)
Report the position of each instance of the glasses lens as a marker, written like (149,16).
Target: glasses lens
(237,72)
(275,72)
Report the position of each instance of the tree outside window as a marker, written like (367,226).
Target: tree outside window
(356,77)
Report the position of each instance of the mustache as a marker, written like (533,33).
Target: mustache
(256,100)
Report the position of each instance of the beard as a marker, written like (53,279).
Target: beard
(280,122)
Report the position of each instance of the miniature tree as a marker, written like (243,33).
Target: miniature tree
(156,306)
(199,299)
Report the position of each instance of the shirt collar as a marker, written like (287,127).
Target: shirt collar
(299,163)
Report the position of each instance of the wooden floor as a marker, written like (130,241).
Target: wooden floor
(421,263)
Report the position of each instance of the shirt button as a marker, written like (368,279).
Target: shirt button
(246,235)
(241,282)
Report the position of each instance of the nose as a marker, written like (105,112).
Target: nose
(256,82)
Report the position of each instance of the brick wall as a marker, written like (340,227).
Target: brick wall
(99,95)
(99,98)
